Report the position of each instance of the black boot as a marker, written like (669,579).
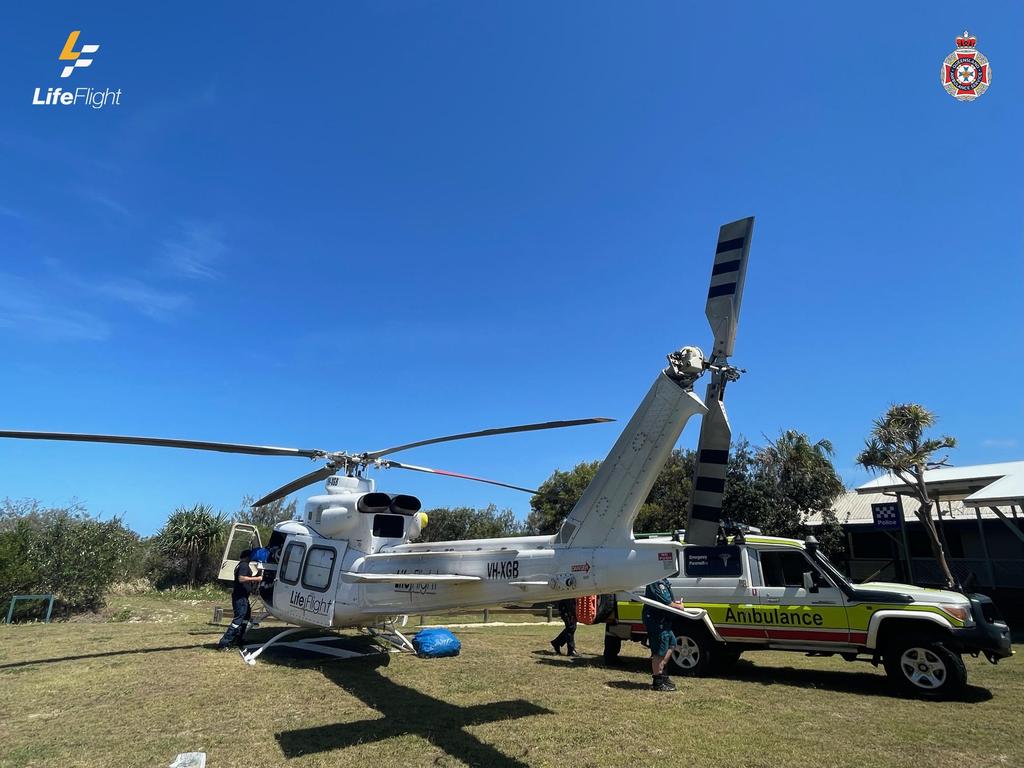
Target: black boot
(662,683)
(571,651)
(557,647)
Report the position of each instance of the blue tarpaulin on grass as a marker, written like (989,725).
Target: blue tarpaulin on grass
(436,642)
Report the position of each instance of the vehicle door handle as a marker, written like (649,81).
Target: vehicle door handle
(771,599)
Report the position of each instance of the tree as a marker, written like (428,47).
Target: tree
(557,496)
(460,523)
(897,445)
(191,534)
(265,517)
(799,479)
(62,551)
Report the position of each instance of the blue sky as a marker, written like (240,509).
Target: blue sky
(376,222)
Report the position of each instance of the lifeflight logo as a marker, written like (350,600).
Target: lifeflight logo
(83,96)
(70,54)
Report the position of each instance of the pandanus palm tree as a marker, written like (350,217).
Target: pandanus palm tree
(190,534)
(897,445)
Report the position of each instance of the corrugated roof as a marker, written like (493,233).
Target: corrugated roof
(979,485)
(854,508)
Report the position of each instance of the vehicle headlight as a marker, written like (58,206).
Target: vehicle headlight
(958,611)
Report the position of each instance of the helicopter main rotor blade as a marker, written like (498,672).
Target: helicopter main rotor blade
(167,442)
(399,465)
(313,477)
(484,433)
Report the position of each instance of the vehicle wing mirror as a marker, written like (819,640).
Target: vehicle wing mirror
(810,583)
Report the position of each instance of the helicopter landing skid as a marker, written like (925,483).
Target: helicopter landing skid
(318,645)
(388,633)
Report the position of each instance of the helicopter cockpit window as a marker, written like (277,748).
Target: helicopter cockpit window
(291,563)
(319,564)
(389,526)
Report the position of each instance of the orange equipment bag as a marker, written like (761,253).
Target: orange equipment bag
(586,609)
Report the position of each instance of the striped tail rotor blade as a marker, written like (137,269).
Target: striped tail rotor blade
(705,510)
(726,290)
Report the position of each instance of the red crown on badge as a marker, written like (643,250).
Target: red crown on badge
(966,40)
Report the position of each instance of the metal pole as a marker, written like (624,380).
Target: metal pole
(906,542)
(984,549)
(550,607)
(487,615)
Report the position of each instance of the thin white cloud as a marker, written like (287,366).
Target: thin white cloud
(5,211)
(999,442)
(30,312)
(152,302)
(104,200)
(195,251)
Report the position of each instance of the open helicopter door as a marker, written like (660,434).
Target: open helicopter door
(242,537)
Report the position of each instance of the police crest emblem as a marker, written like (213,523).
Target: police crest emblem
(966,73)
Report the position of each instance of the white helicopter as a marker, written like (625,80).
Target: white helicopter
(349,560)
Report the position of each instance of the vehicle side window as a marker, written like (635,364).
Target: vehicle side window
(784,569)
(319,564)
(291,563)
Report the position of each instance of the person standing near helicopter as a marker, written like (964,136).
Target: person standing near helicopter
(244,584)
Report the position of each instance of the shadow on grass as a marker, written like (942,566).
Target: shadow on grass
(405,711)
(842,681)
(861,683)
(100,655)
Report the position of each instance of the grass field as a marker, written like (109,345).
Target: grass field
(144,685)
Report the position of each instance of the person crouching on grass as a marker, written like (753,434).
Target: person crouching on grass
(660,637)
(245,583)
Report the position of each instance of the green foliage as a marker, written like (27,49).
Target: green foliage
(897,445)
(62,551)
(797,478)
(459,523)
(773,488)
(192,536)
(557,496)
(265,517)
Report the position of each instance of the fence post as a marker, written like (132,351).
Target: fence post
(549,612)
(487,615)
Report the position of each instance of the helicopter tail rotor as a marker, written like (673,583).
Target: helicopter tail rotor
(723,308)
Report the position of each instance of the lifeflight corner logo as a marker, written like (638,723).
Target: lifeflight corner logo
(68,53)
(92,97)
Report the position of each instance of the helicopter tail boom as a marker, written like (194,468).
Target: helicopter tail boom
(604,515)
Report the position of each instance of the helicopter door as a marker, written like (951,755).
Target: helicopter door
(306,580)
(243,536)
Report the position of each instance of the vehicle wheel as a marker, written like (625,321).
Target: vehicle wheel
(924,667)
(612,646)
(692,651)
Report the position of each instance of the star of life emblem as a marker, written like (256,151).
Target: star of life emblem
(966,73)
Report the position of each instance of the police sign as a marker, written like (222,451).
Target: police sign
(886,515)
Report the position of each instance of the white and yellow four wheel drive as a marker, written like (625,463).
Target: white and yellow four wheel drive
(763,592)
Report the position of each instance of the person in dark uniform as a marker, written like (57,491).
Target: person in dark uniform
(660,636)
(245,582)
(567,637)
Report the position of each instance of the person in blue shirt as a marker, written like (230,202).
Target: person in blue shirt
(660,636)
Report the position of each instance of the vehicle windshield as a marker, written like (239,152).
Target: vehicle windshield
(830,569)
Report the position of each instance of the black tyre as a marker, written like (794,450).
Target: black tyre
(692,652)
(924,667)
(612,646)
